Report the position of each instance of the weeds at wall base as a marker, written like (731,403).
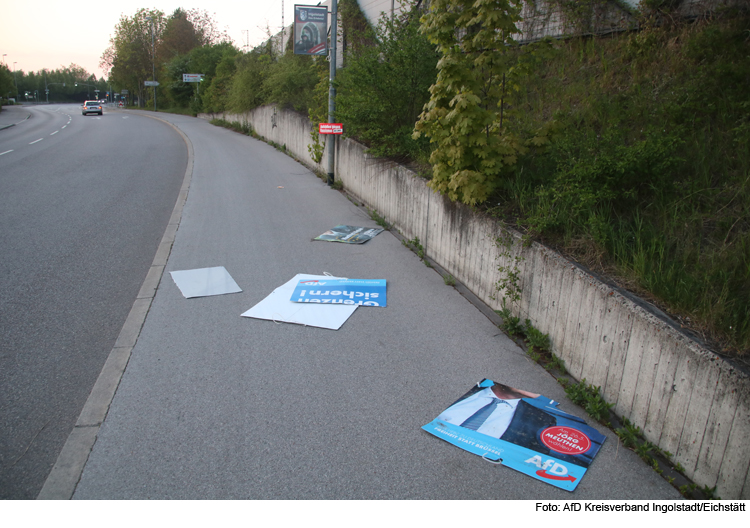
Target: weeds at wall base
(378,219)
(589,397)
(242,128)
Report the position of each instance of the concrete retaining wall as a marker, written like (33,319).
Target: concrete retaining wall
(685,399)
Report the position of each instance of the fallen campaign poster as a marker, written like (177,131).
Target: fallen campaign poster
(523,430)
(350,234)
(360,292)
(310,30)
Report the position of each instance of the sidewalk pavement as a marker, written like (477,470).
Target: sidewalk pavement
(217,406)
(12,115)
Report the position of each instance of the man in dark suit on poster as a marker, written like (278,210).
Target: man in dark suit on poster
(525,419)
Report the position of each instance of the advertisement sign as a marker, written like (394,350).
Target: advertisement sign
(310,30)
(357,292)
(522,430)
(330,128)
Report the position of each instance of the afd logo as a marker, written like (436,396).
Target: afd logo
(312,282)
(550,469)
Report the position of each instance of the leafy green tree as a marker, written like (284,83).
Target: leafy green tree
(178,38)
(186,30)
(79,84)
(204,60)
(129,58)
(291,81)
(219,79)
(248,89)
(7,86)
(464,117)
(206,29)
(62,84)
(177,92)
(382,89)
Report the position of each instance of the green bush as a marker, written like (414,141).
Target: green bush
(248,88)
(291,81)
(382,88)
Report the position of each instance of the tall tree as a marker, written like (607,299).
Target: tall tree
(205,60)
(178,38)
(7,86)
(206,28)
(129,58)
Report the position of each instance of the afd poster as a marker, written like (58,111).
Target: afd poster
(310,30)
(359,292)
(350,234)
(523,430)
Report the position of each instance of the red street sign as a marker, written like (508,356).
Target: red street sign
(330,128)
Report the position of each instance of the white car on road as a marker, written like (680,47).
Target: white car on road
(92,107)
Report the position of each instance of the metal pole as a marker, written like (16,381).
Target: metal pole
(153,61)
(332,93)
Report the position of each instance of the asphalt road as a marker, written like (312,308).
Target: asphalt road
(216,406)
(84,202)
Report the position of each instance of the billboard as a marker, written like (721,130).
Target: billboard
(310,30)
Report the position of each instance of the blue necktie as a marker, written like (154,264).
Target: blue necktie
(475,421)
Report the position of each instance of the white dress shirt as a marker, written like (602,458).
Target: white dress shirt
(497,422)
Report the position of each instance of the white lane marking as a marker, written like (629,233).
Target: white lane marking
(6,152)
(37,141)
(66,125)
(55,132)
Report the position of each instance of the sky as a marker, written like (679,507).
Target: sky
(52,34)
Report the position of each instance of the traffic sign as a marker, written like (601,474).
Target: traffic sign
(192,77)
(330,128)
(151,83)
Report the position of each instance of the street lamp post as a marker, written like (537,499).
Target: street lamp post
(153,59)
(6,65)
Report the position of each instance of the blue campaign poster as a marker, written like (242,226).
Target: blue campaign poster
(360,292)
(523,430)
